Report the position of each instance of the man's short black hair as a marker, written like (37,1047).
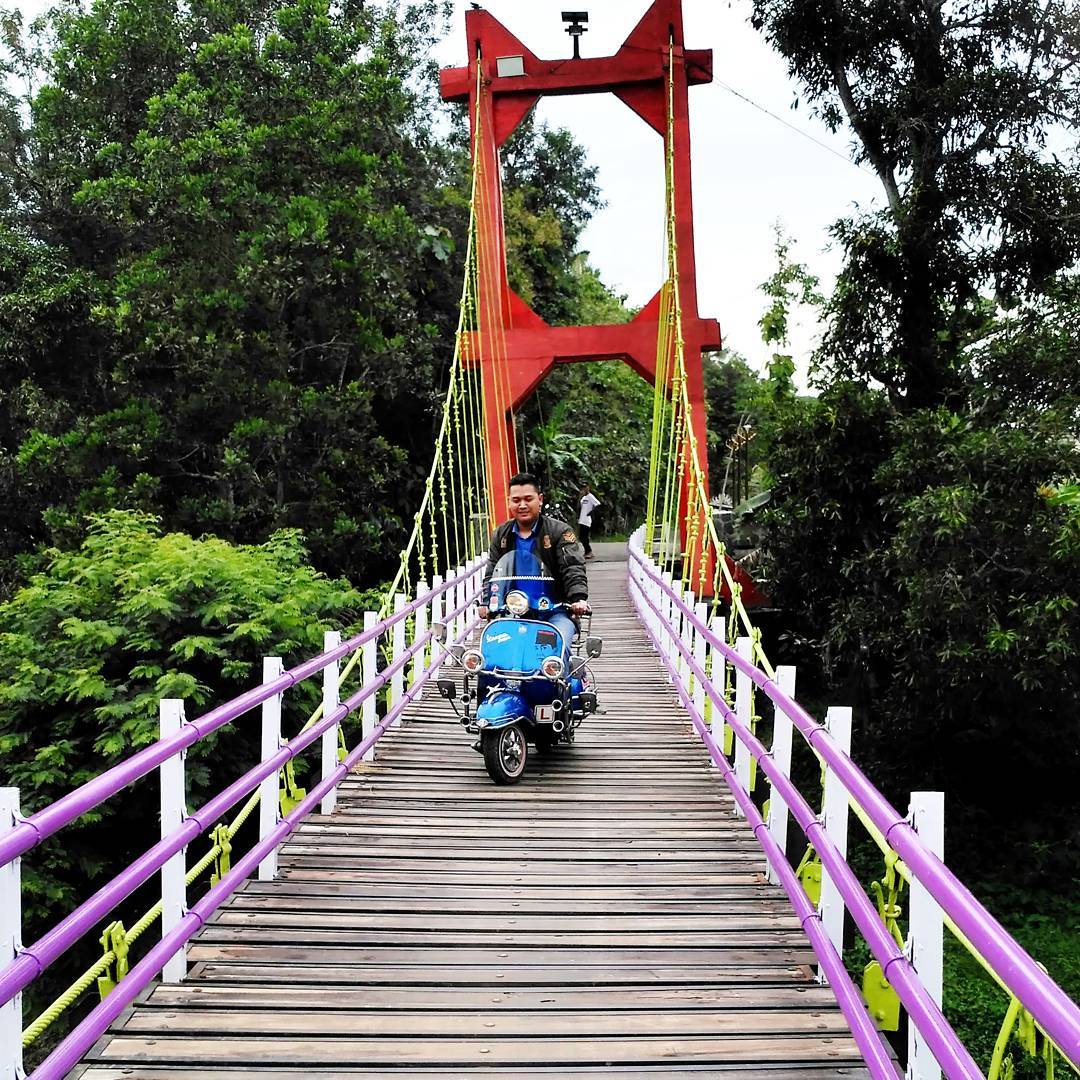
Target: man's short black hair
(522,478)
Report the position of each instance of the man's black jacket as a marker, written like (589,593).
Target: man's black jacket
(559,550)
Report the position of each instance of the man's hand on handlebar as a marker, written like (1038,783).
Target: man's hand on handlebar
(580,607)
(483,612)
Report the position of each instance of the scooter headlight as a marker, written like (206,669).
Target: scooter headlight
(517,603)
(552,667)
(472,661)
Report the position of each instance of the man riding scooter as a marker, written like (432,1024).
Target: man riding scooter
(543,547)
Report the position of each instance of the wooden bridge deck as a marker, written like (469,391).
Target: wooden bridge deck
(607,916)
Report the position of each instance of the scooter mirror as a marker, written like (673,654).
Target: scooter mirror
(594,646)
(447,689)
(438,631)
(456,652)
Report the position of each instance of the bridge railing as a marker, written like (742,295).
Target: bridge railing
(698,658)
(408,668)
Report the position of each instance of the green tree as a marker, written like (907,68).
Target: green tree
(966,112)
(246,236)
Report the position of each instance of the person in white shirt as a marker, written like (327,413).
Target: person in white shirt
(589,502)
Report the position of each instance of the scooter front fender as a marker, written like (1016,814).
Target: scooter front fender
(502,708)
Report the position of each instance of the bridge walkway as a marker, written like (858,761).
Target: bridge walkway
(607,916)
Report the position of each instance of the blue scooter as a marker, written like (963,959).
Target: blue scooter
(528,681)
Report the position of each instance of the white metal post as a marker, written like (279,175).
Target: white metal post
(450,603)
(781,755)
(927,927)
(269,804)
(745,648)
(11,1063)
(831,907)
(717,674)
(461,592)
(397,650)
(419,663)
(668,608)
(438,607)
(173,886)
(369,659)
(330,700)
(702,613)
(679,633)
(659,627)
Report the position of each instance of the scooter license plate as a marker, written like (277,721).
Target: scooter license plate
(544,714)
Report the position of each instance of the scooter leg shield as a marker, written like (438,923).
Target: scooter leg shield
(504,707)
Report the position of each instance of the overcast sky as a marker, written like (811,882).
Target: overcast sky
(750,171)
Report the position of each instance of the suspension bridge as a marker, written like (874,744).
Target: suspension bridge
(660,899)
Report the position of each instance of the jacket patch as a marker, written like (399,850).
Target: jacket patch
(547,541)
(502,543)
(569,536)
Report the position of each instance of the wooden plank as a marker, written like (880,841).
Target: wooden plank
(500,959)
(685,922)
(436,973)
(522,1025)
(672,999)
(494,936)
(321,1052)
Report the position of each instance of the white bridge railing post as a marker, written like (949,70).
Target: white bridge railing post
(679,628)
(330,701)
(667,606)
(369,661)
(781,754)
(173,873)
(269,803)
(397,650)
(927,927)
(11,1058)
(438,608)
(420,628)
(717,675)
(701,612)
(831,907)
(743,709)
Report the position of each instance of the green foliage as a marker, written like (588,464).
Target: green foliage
(930,568)
(231,295)
(92,642)
(965,113)
(591,423)
(550,195)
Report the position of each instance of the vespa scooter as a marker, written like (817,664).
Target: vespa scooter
(527,681)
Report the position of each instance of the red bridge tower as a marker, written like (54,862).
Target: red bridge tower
(517,348)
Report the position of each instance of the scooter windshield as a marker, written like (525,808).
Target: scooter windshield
(508,577)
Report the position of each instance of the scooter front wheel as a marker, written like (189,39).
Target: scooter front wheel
(505,754)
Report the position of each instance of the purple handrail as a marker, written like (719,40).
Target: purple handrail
(69,1052)
(1055,1013)
(32,830)
(34,959)
(925,1013)
(865,1033)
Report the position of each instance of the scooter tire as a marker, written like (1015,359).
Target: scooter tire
(506,752)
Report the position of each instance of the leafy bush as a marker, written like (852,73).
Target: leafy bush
(98,636)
